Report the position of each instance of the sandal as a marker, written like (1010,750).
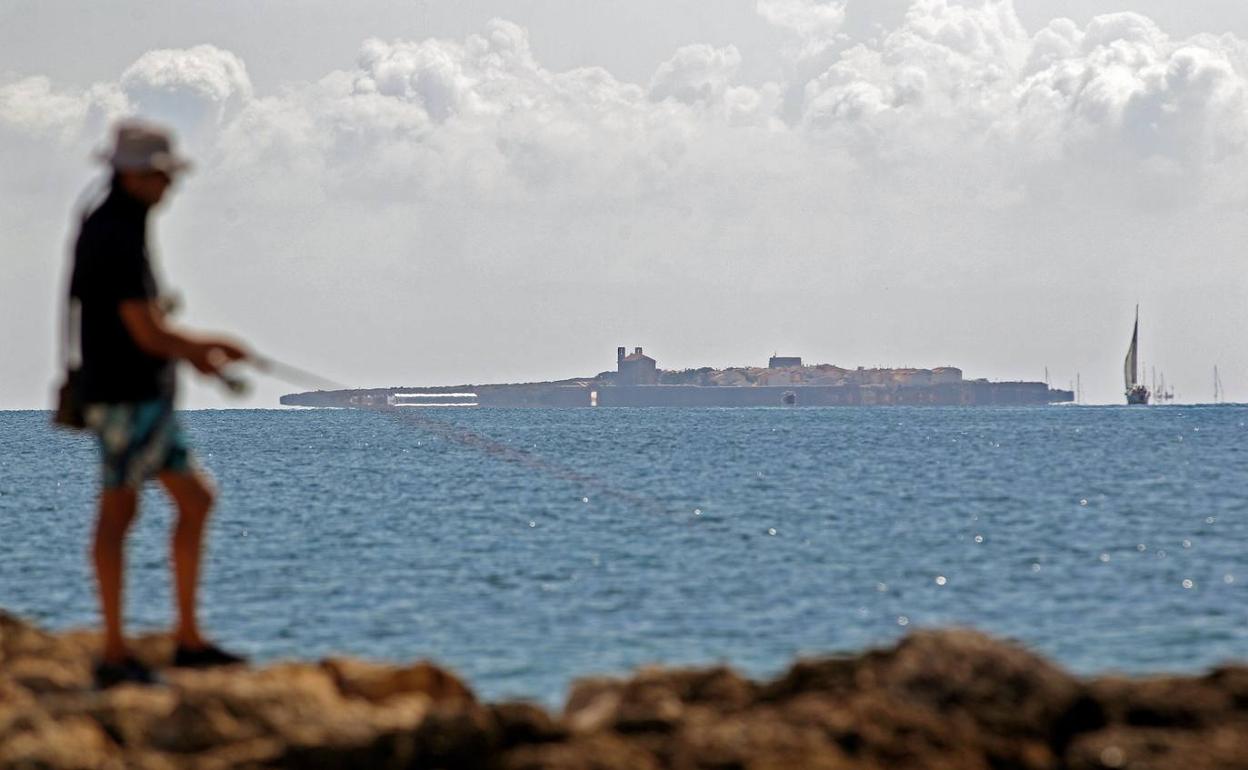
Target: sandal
(128,671)
(208,656)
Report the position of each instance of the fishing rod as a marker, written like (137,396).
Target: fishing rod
(288,373)
(171,303)
(293,374)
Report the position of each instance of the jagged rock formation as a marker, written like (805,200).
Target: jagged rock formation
(947,700)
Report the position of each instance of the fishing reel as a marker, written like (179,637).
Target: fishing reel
(235,385)
(229,377)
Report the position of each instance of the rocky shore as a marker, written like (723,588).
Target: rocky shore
(953,700)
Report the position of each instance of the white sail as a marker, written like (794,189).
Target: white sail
(1130,368)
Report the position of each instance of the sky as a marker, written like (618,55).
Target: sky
(467,191)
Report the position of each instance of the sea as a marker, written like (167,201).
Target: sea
(526,548)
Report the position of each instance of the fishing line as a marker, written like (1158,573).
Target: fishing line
(414,417)
(521,457)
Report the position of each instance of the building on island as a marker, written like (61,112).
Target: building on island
(635,369)
(784,362)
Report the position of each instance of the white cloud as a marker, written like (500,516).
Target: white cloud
(696,74)
(815,23)
(1119,97)
(196,89)
(32,107)
(482,115)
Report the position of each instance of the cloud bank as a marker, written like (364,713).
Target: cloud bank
(957,161)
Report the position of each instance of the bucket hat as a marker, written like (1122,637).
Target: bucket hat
(142,146)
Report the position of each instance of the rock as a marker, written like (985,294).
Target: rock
(378,683)
(1221,748)
(1163,701)
(938,700)
(1001,687)
(35,741)
(458,735)
(525,723)
(128,714)
(40,676)
(654,700)
(588,752)
(592,704)
(1164,722)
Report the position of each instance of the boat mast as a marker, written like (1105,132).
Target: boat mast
(1130,373)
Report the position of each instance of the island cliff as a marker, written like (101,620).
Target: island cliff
(937,700)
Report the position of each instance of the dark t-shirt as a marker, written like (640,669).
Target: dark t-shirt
(111,266)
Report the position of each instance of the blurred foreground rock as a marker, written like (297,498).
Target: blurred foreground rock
(948,700)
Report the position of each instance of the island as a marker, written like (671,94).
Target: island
(637,381)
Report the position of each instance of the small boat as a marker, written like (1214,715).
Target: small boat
(1137,393)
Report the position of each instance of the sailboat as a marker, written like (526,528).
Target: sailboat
(1137,393)
(1166,394)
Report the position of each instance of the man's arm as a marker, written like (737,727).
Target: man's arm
(146,324)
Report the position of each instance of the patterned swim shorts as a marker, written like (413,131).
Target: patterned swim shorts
(138,440)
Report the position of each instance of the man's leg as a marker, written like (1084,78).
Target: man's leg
(193,495)
(118,506)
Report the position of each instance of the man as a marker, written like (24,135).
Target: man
(128,355)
